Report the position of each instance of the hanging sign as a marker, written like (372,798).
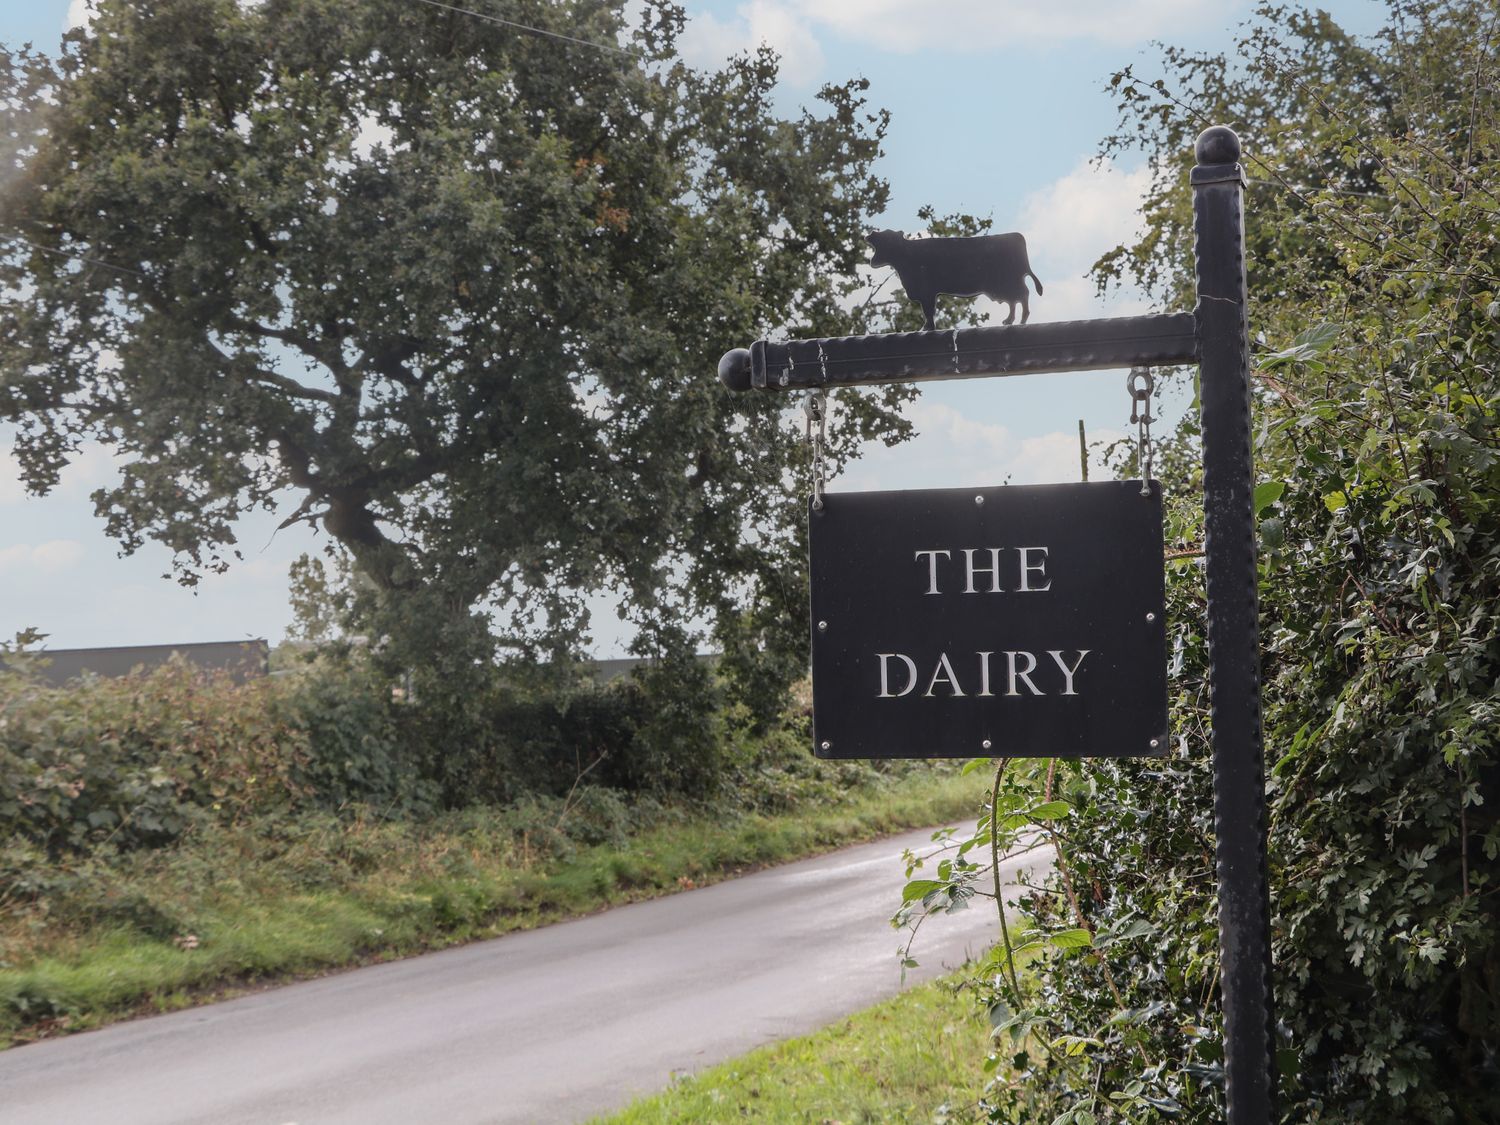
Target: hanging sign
(1020,621)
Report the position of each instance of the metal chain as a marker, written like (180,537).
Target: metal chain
(815,408)
(1141,383)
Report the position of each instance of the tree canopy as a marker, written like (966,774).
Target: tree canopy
(457,287)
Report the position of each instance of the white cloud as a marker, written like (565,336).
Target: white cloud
(1050,458)
(93,466)
(80,12)
(952,450)
(708,41)
(53,555)
(982,25)
(1071,222)
(1089,210)
(371,132)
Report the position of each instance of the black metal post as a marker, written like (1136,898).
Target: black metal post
(1233,630)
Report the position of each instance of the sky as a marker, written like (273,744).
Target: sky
(997,110)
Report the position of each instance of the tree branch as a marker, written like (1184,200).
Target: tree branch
(273,378)
(325,353)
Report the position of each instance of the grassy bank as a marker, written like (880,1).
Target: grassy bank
(916,1058)
(231,907)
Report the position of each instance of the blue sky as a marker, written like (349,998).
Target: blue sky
(997,108)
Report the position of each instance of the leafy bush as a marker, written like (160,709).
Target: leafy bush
(356,749)
(518,731)
(135,762)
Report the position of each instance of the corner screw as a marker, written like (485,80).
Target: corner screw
(979,499)
(826,745)
(822,626)
(1155,742)
(985,744)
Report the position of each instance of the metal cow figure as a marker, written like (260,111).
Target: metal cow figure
(990,265)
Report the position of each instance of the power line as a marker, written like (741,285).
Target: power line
(532,30)
(71,257)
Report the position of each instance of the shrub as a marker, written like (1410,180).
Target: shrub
(356,751)
(136,761)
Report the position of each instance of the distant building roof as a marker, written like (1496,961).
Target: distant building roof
(243,660)
(606,671)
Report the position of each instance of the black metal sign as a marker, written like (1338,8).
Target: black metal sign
(1021,621)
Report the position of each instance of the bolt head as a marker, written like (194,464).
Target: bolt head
(1150,617)
(822,626)
(986,744)
(979,499)
(1155,742)
(826,745)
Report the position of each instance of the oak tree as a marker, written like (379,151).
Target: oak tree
(455,282)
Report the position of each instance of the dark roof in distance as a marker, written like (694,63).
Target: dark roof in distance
(243,660)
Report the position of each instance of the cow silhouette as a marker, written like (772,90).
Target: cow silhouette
(987,265)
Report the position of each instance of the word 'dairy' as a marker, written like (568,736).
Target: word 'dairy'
(982,570)
(1018,668)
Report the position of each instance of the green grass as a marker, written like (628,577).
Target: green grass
(231,908)
(916,1058)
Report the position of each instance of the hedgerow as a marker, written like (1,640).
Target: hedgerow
(1374,190)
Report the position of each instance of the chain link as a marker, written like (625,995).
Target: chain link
(1141,383)
(815,409)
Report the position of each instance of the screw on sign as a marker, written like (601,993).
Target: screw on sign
(993,689)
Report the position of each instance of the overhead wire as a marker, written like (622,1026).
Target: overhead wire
(531,30)
(71,257)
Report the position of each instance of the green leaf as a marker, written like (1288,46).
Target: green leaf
(1070,939)
(920,888)
(1052,810)
(1133,928)
(1287,1061)
(1306,346)
(1072,1045)
(1266,494)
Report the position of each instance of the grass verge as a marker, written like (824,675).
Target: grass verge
(917,1057)
(232,908)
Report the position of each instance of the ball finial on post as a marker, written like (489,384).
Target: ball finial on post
(734,369)
(1218,144)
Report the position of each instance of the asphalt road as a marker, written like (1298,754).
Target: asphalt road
(553,1025)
